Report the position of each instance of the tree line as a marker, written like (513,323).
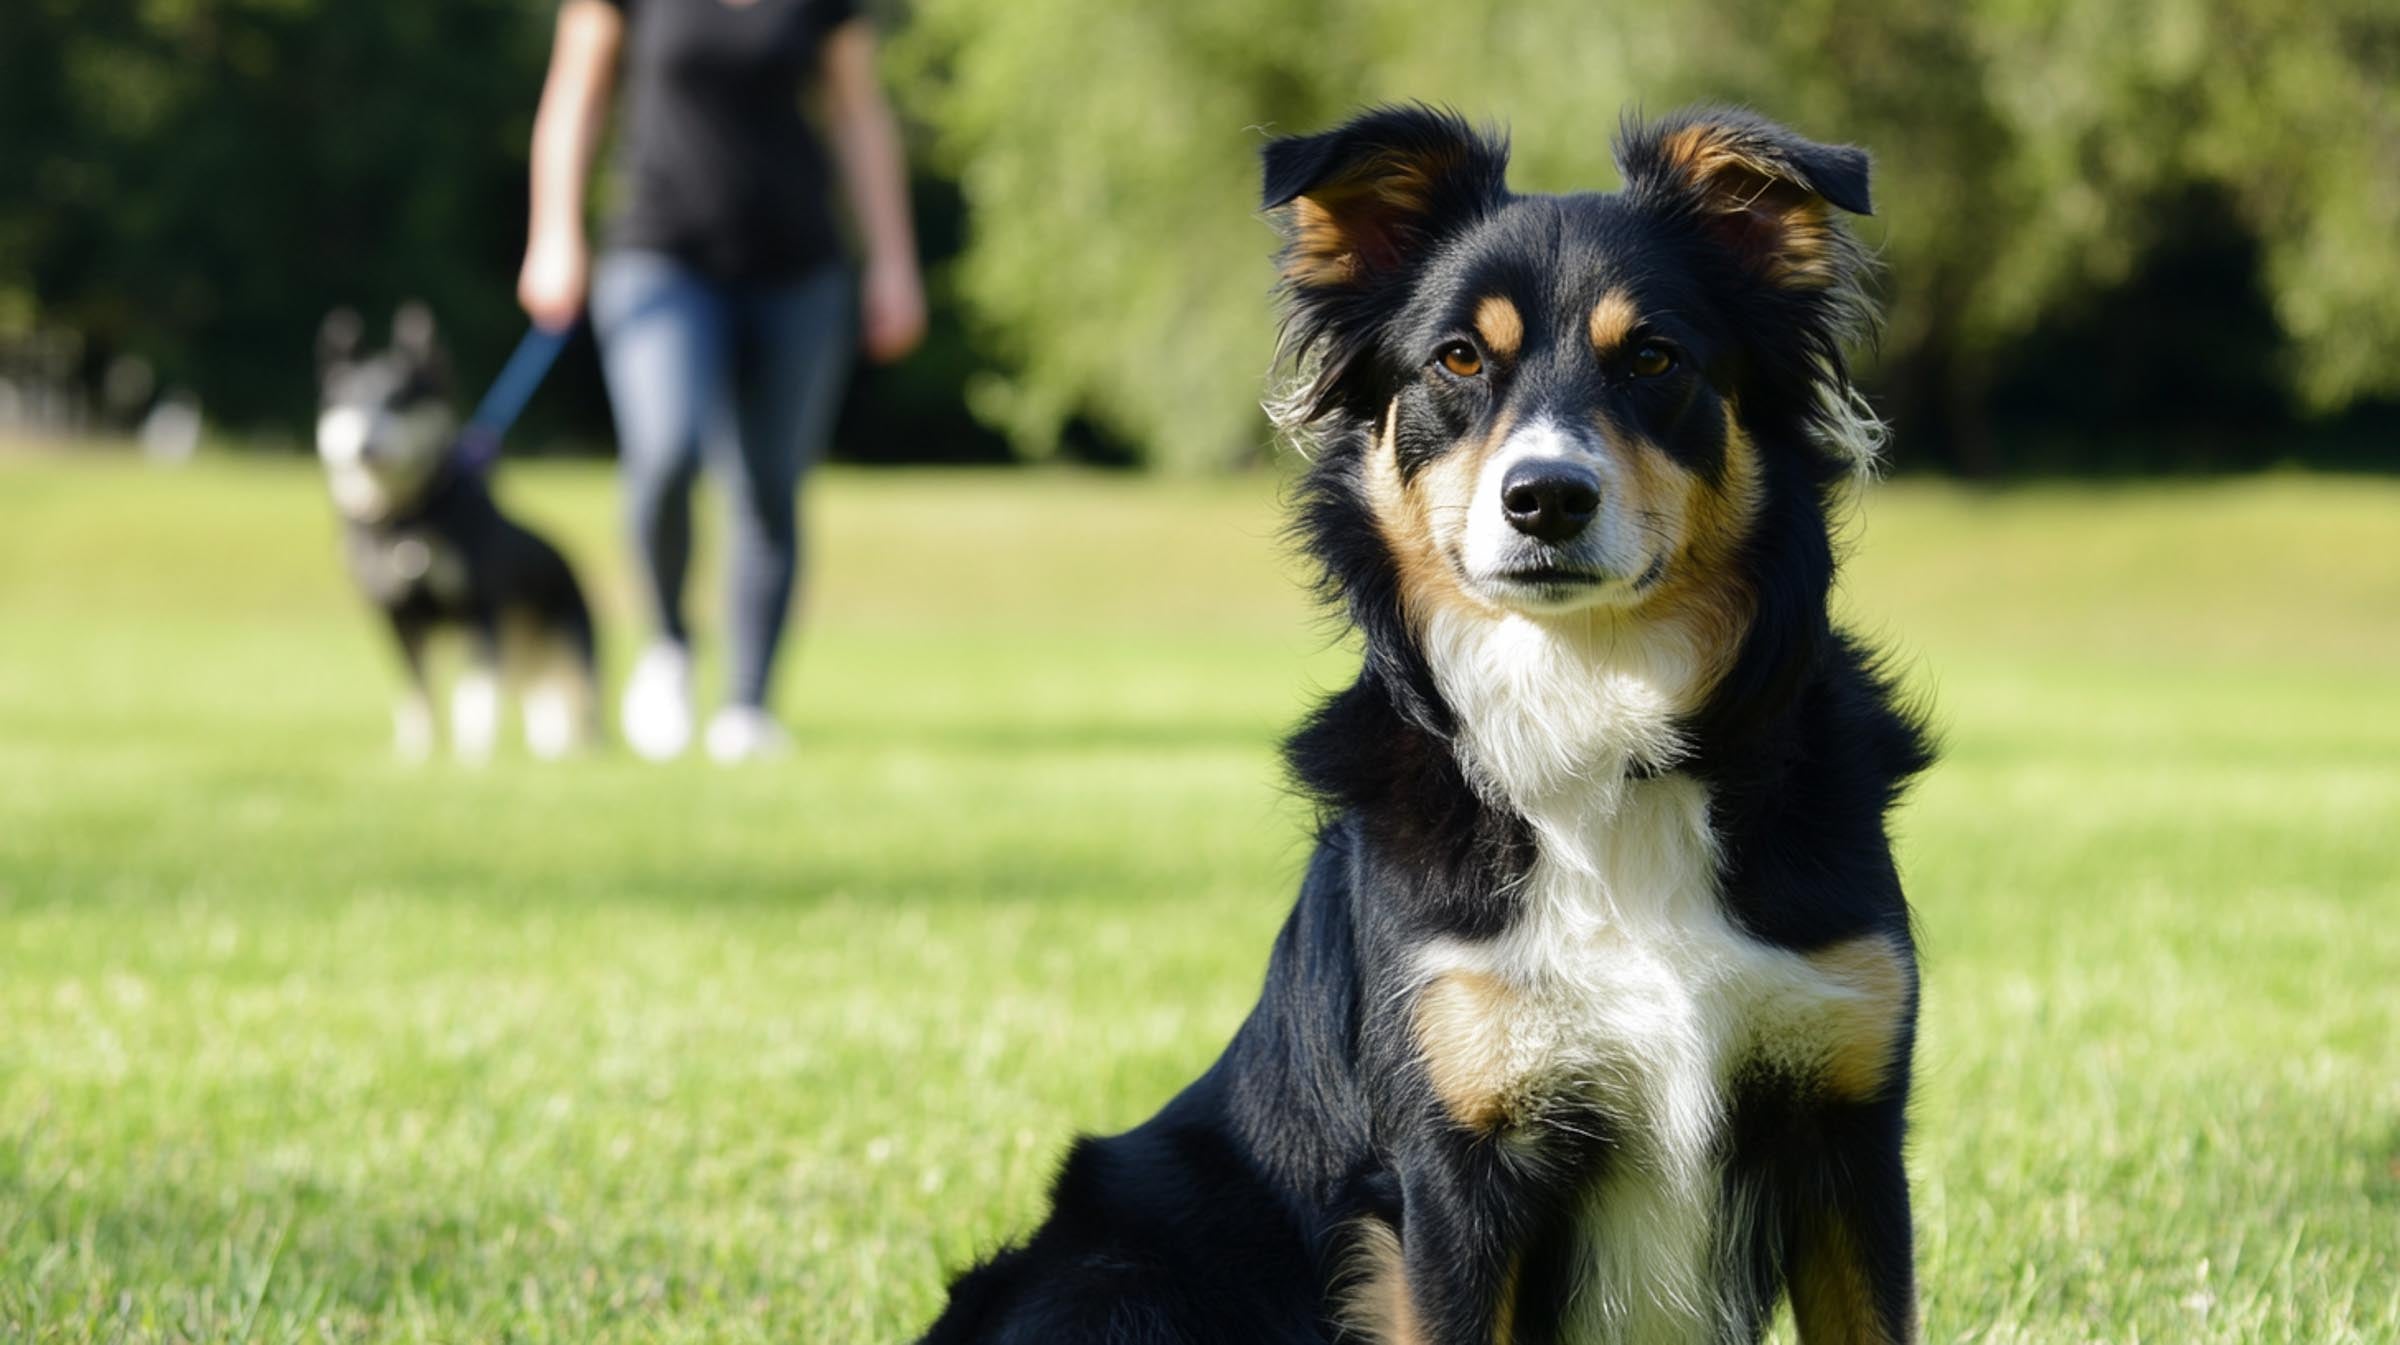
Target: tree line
(2114,236)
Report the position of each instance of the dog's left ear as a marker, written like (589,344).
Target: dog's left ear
(1754,188)
(337,339)
(413,332)
(416,338)
(1366,199)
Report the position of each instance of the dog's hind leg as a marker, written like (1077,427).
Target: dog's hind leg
(412,716)
(561,703)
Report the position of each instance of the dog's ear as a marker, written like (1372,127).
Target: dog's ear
(337,339)
(417,340)
(1363,201)
(413,331)
(1754,188)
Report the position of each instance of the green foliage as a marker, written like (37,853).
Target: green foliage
(304,1046)
(2029,151)
(199,181)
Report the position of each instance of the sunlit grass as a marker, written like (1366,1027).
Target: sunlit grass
(296,1043)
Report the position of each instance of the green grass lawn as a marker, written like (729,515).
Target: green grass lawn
(297,1043)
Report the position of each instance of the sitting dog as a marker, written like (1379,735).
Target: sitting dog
(432,551)
(1594,1018)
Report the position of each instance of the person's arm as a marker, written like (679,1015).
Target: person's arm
(566,132)
(865,138)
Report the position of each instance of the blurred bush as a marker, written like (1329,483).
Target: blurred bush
(2168,225)
(198,181)
(2031,154)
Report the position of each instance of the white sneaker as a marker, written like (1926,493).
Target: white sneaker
(740,733)
(658,703)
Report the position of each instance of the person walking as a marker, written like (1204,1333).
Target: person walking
(722,299)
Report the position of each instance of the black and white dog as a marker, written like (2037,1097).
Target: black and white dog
(432,551)
(1594,1018)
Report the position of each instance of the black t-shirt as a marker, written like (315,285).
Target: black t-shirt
(719,167)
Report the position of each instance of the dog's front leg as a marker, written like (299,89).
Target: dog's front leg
(1852,1259)
(475,700)
(1448,1273)
(412,717)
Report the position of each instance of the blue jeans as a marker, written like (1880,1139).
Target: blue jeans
(745,378)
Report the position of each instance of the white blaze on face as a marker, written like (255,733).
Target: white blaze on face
(376,459)
(342,434)
(1613,545)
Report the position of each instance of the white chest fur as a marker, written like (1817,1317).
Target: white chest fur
(1622,988)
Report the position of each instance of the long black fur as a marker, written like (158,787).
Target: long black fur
(505,570)
(1231,1215)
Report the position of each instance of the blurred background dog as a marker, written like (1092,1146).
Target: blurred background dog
(432,551)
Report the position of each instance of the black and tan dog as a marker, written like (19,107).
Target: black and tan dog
(431,550)
(1593,1021)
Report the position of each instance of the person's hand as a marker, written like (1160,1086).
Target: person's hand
(891,309)
(551,285)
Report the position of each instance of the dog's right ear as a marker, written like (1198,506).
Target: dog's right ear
(1763,194)
(420,343)
(337,339)
(1366,199)
(413,331)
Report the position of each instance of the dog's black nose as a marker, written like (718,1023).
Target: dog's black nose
(1550,498)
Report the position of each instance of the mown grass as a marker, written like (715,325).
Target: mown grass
(296,1043)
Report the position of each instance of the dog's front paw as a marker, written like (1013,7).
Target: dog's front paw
(412,730)
(475,716)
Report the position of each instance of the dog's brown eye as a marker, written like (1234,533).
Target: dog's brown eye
(1650,361)
(1462,359)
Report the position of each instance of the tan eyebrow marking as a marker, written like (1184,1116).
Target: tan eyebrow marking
(1497,322)
(1613,320)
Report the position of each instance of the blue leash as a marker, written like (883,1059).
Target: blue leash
(479,441)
